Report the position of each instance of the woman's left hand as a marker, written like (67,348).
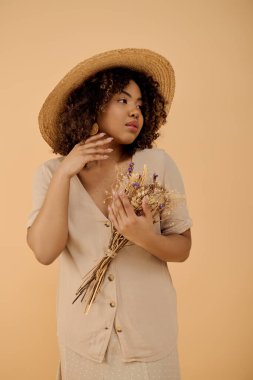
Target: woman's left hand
(132,227)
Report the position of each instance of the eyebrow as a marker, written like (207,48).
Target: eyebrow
(130,96)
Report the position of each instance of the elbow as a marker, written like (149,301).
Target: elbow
(40,255)
(46,258)
(185,256)
(42,259)
(188,245)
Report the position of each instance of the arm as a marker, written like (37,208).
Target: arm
(174,247)
(140,230)
(48,235)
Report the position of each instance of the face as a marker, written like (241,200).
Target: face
(122,109)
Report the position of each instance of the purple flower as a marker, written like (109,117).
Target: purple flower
(130,168)
(161,206)
(136,184)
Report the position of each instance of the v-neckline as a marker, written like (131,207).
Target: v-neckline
(93,203)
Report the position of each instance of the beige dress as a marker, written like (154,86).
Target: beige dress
(131,330)
(113,368)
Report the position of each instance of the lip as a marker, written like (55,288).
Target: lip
(132,123)
(132,127)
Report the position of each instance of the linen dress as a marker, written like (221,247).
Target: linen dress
(131,330)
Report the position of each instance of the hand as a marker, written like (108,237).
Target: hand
(87,150)
(133,227)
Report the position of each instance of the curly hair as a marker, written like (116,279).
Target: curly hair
(84,104)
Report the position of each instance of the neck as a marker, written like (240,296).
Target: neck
(117,156)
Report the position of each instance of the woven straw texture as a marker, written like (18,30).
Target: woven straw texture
(143,60)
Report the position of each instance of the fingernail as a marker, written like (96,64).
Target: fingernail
(101,134)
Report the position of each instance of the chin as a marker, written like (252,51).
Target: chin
(127,141)
(124,139)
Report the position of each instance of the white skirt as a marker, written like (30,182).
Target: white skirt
(75,367)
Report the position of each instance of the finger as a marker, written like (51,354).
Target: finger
(98,150)
(119,209)
(113,218)
(95,157)
(146,208)
(127,206)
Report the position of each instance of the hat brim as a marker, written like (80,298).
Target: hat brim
(143,60)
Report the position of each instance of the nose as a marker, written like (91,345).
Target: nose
(134,113)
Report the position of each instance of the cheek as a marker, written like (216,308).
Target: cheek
(113,112)
(115,118)
(117,111)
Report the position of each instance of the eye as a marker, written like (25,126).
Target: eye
(140,106)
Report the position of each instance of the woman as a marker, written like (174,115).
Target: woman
(104,114)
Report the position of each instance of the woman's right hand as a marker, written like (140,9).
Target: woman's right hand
(85,151)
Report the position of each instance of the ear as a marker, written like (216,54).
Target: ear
(94,129)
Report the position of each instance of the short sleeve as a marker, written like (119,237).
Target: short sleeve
(179,219)
(40,183)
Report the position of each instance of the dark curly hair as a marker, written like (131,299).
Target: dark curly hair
(85,103)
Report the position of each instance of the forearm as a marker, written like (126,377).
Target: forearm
(173,247)
(48,234)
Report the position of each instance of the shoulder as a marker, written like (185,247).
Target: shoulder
(51,165)
(160,162)
(165,166)
(44,171)
(157,154)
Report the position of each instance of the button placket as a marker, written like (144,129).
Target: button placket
(111,296)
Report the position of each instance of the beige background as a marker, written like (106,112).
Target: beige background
(209,134)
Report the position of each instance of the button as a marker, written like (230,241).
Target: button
(118,329)
(111,277)
(107,224)
(112,304)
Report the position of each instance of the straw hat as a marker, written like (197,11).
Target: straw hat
(143,60)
